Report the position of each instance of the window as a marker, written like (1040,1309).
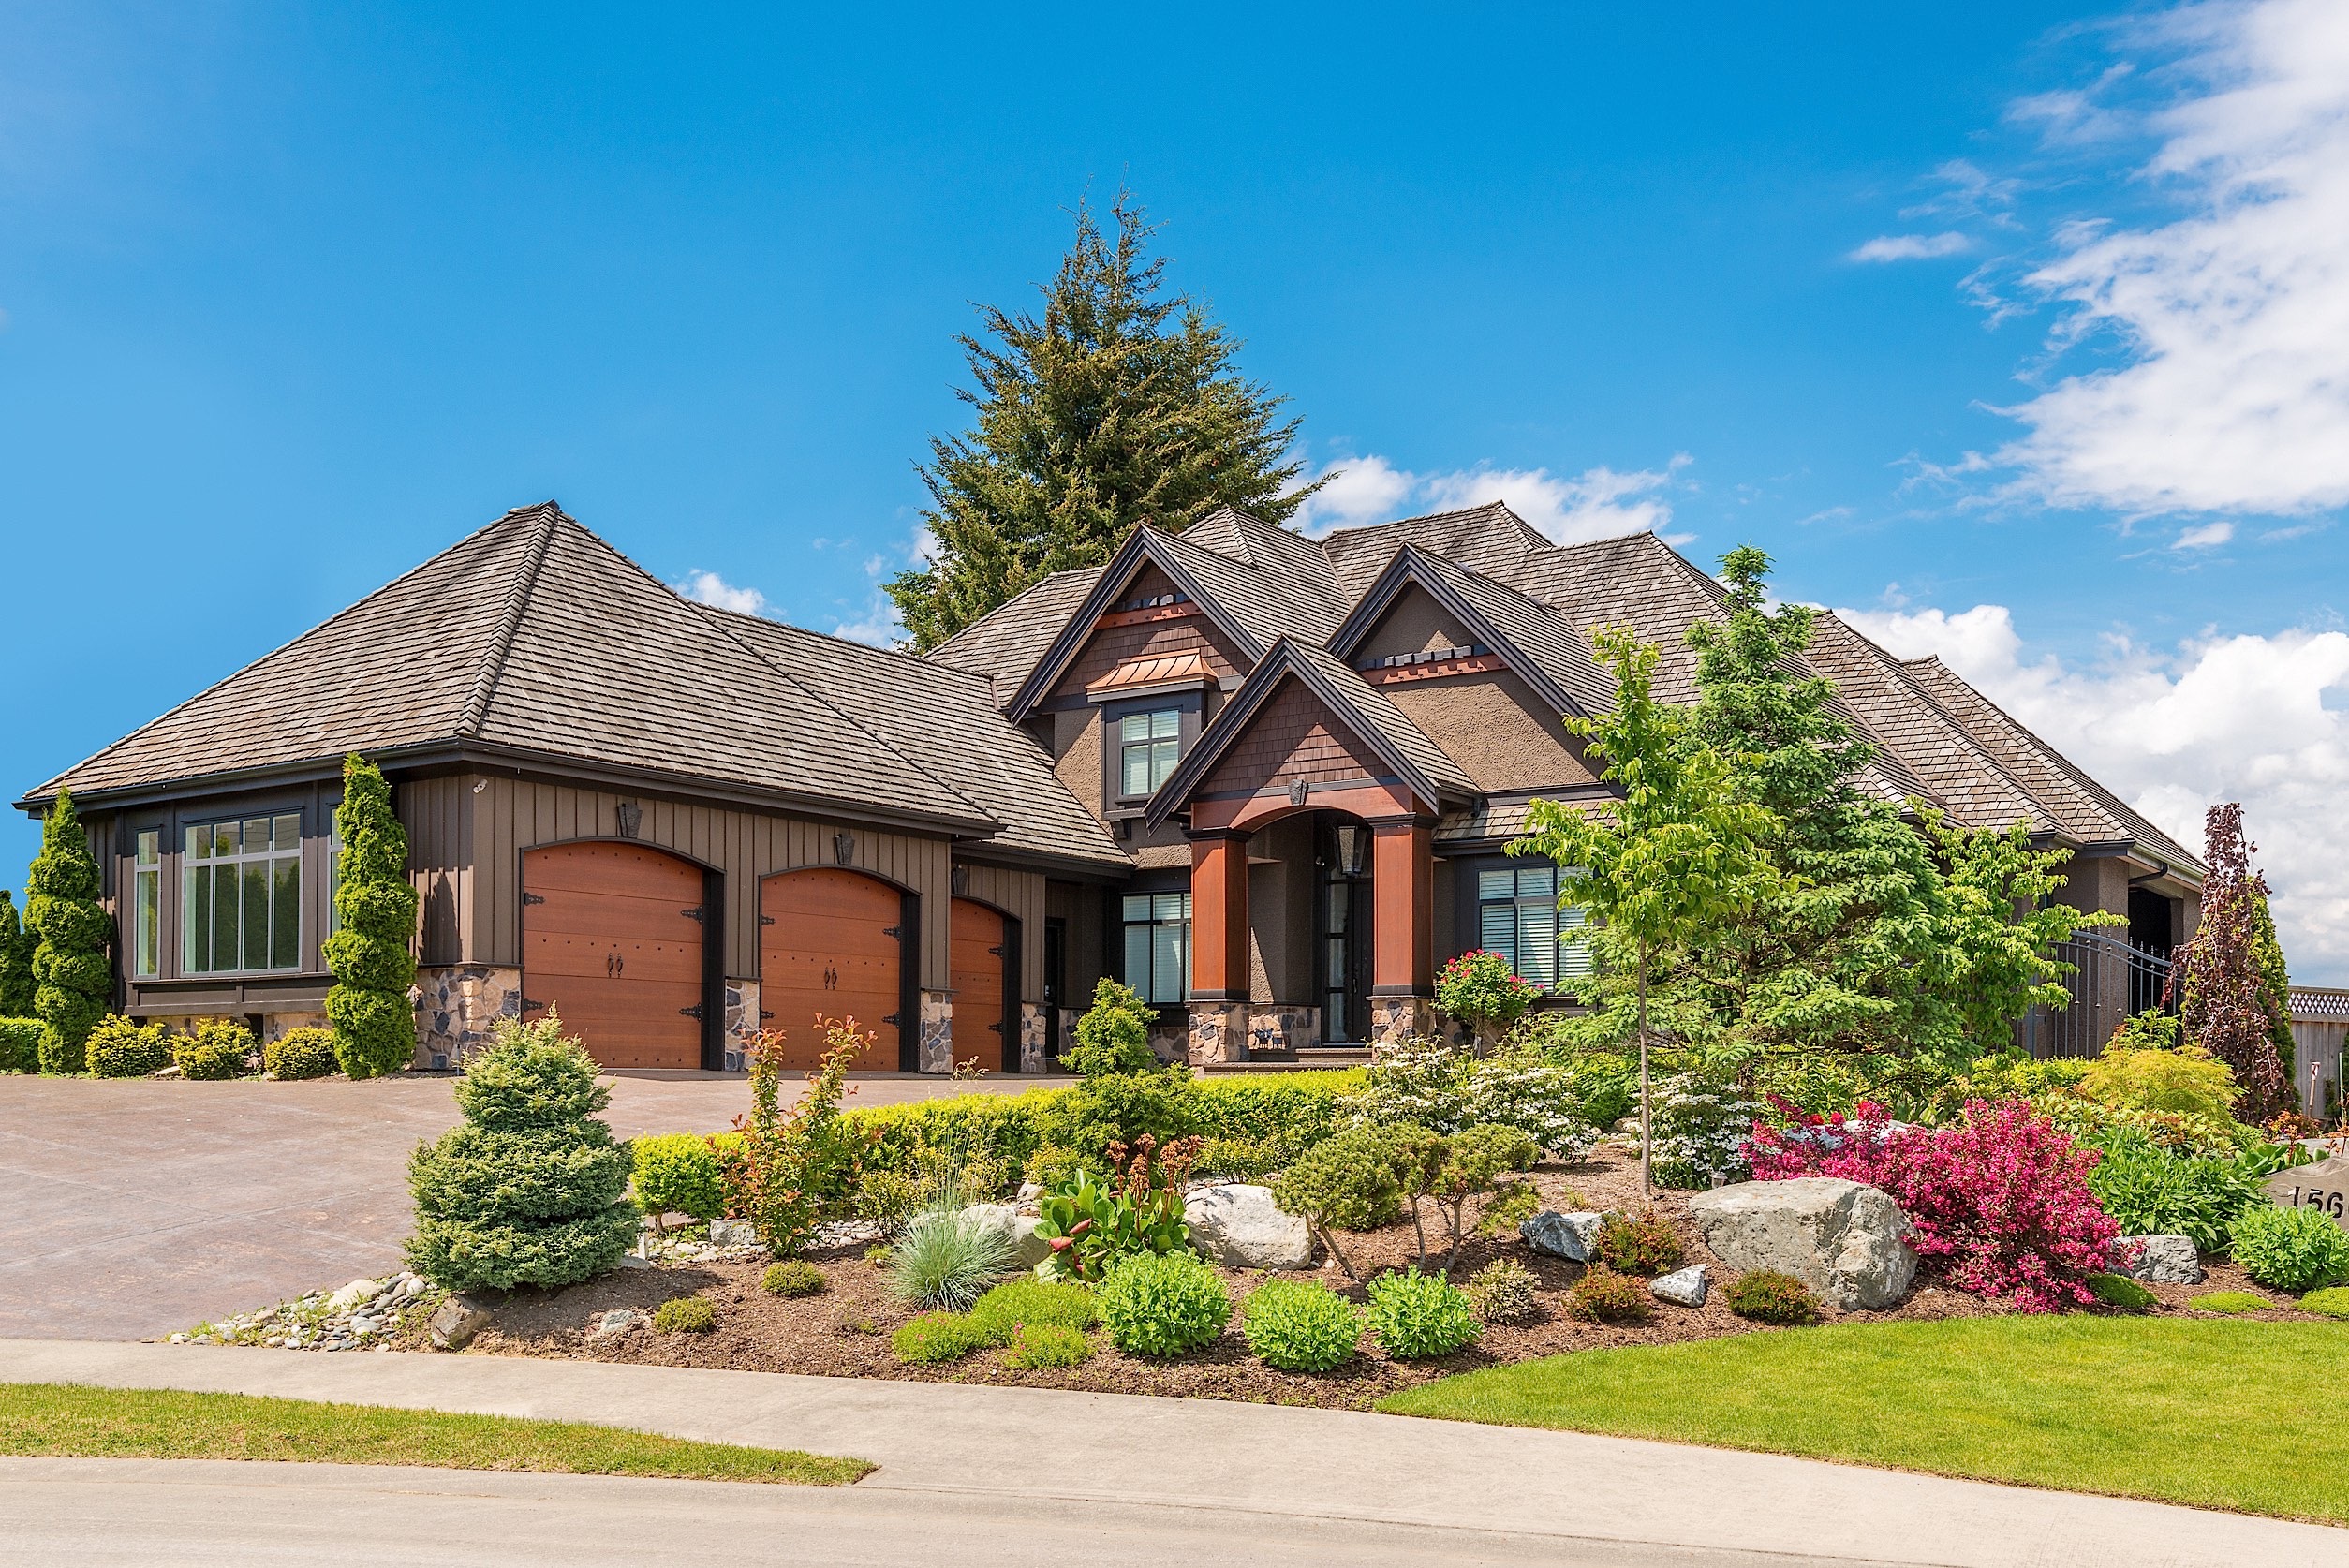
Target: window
(1150,744)
(1157,945)
(1518,917)
(240,897)
(146,906)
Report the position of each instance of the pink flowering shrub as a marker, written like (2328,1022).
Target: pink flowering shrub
(1999,1202)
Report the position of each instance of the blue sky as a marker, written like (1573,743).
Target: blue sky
(297,295)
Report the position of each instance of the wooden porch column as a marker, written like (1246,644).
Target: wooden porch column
(1403,889)
(1218,917)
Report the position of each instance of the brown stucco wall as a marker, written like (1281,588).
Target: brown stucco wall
(1492,724)
(1414,623)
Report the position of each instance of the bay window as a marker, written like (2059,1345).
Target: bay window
(241,896)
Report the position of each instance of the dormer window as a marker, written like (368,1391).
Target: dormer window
(1150,745)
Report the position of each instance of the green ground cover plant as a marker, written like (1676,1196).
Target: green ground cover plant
(2329,1303)
(2118,1289)
(1414,1316)
(1300,1325)
(936,1337)
(1163,1305)
(60,1421)
(2125,1405)
(1036,1345)
(684,1314)
(796,1277)
(1033,1302)
(2291,1249)
(2232,1303)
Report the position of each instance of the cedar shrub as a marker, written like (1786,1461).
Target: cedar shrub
(73,978)
(371,954)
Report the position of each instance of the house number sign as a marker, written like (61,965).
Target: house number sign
(2323,1186)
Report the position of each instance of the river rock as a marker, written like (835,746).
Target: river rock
(1847,1241)
(1683,1288)
(1240,1226)
(2164,1260)
(1572,1236)
(350,1295)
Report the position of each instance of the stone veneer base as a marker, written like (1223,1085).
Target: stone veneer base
(455,1007)
(935,1049)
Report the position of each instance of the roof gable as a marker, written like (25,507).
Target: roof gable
(1533,640)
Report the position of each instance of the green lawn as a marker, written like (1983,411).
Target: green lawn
(2218,1415)
(70,1421)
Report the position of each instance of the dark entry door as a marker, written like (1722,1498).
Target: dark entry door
(1343,933)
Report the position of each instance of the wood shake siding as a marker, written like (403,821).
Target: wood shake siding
(1294,737)
(1495,728)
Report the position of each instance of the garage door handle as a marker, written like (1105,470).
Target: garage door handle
(693,1012)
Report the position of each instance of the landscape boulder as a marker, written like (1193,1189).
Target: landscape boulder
(1847,1241)
(2164,1260)
(1031,1247)
(1572,1236)
(1682,1288)
(1240,1226)
(733,1232)
(457,1320)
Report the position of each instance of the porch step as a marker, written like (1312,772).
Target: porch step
(1311,1059)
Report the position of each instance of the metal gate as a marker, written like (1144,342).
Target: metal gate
(2110,981)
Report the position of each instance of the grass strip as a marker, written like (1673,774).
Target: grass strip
(2210,1412)
(73,1421)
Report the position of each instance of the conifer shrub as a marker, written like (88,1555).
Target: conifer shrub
(1504,1292)
(120,1047)
(17,942)
(1602,1295)
(72,977)
(792,1278)
(684,1314)
(526,1191)
(21,1045)
(1414,1315)
(1766,1295)
(1300,1325)
(297,1054)
(2291,1249)
(220,1048)
(1164,1304)
(1114,1035)
(370,954)
(2118,1289)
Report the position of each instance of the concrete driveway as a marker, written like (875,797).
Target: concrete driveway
(135,1208)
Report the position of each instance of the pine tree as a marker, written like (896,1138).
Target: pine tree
(73,978)
(2217,980)
(525,1191)
(2275,980)
(1120,405)
(17,942)
(374,906)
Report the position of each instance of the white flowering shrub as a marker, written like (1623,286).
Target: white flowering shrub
(1701,1130)
(1437,1085)
(1416,1080)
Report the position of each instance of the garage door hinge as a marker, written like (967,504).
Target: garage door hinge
(997,951)
(890,1020)
(893,931)
(765,1013)
(530,1004)
(693,914)
(766,920)
(534,897)
(693,1012)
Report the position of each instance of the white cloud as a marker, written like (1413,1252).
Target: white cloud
(1598,503)
(1911,248)
(2233,321)
(2257,719)
(2204,536)
(879,623)
(708,587)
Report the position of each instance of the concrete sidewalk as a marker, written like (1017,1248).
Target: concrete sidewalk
(1179,1455)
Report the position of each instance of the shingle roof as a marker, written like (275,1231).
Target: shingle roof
(1489,539)
(948,719)
(1541,632)
(533,635)
(1636,581)
(1376,713)
(1274,598)
(1005,642)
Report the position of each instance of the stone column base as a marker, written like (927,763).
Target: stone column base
(455,1007)
(935,1053)
(1396,1018)
(1218,1033)
(1032,1039)
(742,1022)
(1283,1028)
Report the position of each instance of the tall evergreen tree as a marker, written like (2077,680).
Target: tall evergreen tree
(2275,981)
(370,954)
(1119,404)
(73,978)
(16,961)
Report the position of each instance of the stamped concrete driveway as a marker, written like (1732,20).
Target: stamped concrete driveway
(137,1207)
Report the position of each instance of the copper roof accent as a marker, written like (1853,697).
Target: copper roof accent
(1163,671)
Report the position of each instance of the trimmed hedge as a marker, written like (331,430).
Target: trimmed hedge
(120,1047)
(301,1054)
(219,1048)
(678,1172)
(21,1045)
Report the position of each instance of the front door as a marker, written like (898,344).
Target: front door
(612,941)
(1343,934)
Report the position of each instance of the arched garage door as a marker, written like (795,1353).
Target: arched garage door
(983,957)
(612,939)
(832,943)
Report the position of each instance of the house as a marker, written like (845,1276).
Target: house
(1268,780)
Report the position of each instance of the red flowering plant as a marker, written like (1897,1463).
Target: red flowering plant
(1480,989)
(2000,1204)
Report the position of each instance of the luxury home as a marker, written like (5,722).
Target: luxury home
(1268,780)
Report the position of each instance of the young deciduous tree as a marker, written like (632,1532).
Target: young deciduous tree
(73,978)
(1672,861)
(1118,405)
(2217,980)
(374,906)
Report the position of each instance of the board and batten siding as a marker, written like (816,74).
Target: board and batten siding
(468,832)
(1022,895)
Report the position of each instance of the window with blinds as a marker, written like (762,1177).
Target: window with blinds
(1157,945)
(1518,917)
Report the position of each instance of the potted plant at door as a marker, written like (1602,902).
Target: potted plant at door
(1481,991)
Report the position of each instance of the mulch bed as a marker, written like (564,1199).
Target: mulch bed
(843,1331)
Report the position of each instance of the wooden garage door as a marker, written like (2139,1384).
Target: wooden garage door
(829,946)
(981,939)
(607,942)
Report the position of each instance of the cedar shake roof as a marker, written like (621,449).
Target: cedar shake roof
(533,638)
(1489,539)
(1539,632)
(1005,642)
